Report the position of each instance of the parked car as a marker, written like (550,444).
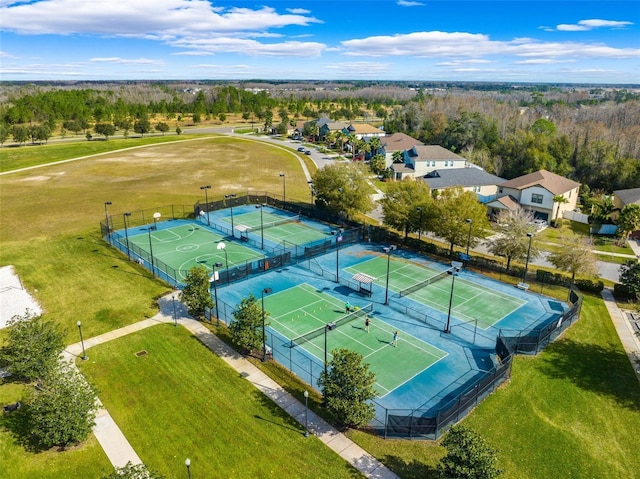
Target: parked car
(307,152)
(301,148)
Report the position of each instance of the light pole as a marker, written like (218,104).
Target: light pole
(223,247)
(264,332)
(175,316)
(84,355)
(284,191)
(206,200)
(214,279)
(226,197)
(187,462)
(306,416)
(454,270)
(388,250)
(328,327)
(526,264)
(261,206)
(419,208)
(470,221)
(126,233)
(311,190)
(338,240)
(153,273)
(106,217)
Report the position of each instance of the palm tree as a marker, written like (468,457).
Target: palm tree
(558,199)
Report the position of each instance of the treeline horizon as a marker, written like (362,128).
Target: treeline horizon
(589,133)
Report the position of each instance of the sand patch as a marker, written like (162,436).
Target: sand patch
(14,299)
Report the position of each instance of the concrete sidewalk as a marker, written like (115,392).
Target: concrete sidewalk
(118,449)
(630,341)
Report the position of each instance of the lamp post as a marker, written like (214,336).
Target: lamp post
(306,416)
(470,221)
(284,191)
(226,197)
(214,279)
(454,270)
(126,233)
(106,217)
(338,240)
(328,327)
(153,273)
(156,217)
(175,316)
(311,190)
(261,206)
(388,250)
(187,462)
(223,247)
(419,208)
(264,332)
(84,355)
(526,264)
(206,200)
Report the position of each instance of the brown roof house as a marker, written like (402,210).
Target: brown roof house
(622,198)
(540,193)
(397,142)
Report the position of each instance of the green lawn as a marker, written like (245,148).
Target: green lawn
(180,400)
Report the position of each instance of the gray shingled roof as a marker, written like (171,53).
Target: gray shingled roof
(435,152)
(629,196)
(465,177)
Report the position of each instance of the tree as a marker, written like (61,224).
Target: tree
(575,256)
(178,130)
(377,164)
(630,277)
(20,133)
(162,127)
(347,385)
(468,456)
(132,471)
(400,206)
(33,346)
(246,328)
(559,200)
(454,206)
(63,409)
(343,188)
(629,220)
(511,241)
(106,129)
(142,126)
(196,294)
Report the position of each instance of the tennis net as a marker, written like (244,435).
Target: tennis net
(271,224)
(426,282)
(358,313)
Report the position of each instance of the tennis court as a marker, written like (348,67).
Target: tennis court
(470,303)
(275,227)
(187,245)
(302,313)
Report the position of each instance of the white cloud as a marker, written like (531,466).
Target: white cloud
(458,45)
(454,63)
(298,11)
(251,47)
(584,25)
(407,3)
(138,61)
(542,61)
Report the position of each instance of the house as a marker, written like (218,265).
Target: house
(397,142)
(363,130)
(622,198)
(472,178)
(539,192)
(324,125)
(421,159)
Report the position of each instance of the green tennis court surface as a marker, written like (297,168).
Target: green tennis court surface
(470,303)
(188,245)
(303,309)
(276,228)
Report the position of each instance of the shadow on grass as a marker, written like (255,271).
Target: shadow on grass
(410,470)
(17,424)
(603,370)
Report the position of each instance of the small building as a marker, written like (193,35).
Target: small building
(622,198)
(421,159)
(472,178)
(397,142)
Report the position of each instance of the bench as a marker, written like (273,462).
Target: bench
(522,286)
(636,327)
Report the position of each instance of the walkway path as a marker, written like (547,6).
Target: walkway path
(630,341)
(118,449)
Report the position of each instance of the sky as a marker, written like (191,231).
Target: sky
(543,41)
